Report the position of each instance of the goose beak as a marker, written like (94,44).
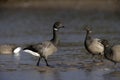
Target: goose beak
(61,27)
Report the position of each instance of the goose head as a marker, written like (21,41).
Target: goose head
(87,29)
(57,26)
(88,32)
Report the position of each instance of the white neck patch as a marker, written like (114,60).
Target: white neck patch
(55,29)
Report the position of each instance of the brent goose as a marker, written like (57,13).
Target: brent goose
(111,53)
(44,49)
(9,49)
(93,45)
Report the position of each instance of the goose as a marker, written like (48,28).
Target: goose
(111,53)
(93,45)
(9,49)
(46,48)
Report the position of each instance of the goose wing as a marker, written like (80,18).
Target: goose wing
(44,49)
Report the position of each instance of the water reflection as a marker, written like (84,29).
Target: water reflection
(25,71)
(115,75)
(77,75)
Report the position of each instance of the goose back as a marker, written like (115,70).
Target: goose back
(7,48)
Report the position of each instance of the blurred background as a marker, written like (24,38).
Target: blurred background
(30,21)
(21,19)
(106,5)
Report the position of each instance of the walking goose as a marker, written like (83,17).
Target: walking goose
(44,49)
(93,45)
(9,49)
(111,53)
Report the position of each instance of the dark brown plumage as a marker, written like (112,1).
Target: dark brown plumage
(44,49)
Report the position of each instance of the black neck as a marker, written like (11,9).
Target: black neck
(87,38)
(55,39)
(108,53)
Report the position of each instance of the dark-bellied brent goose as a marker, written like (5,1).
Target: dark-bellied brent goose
(111,53)
(44,49)
(93,45)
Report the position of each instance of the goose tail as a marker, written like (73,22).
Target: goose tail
(17,50)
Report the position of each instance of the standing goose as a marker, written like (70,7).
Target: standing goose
(111,53)
(93,45)
(44,49)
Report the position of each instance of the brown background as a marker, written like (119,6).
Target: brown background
(106,5)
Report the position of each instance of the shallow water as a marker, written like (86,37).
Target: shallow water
(26,26)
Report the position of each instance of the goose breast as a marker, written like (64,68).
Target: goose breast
(96,46)
(46,48)
(116,53)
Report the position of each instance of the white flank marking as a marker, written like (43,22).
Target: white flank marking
(17,53)
(31,52)
(17,50)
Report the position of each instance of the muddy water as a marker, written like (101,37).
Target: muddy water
(25,26)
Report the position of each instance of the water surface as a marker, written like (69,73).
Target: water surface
(26,26)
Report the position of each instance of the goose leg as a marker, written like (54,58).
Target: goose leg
(38,61)
(93,57)
(46,61)
(116,66)
(101,58)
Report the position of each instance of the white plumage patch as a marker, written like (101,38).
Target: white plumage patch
(17,50)
(55,29)
(31,52)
